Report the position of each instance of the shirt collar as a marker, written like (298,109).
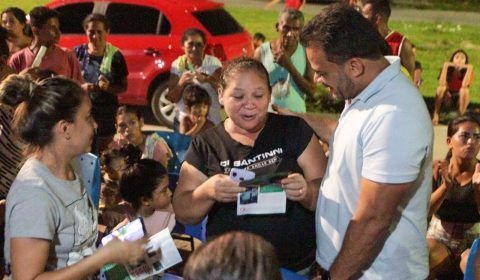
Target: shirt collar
(381,80)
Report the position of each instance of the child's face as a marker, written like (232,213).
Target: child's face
(130,127)
(161,196)
(459,58)
(199,110)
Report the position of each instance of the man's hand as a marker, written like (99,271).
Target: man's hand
(282,58)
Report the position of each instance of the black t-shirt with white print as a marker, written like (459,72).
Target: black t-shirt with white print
(276,149)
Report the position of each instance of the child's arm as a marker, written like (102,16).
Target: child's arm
(467,79)
(442,80)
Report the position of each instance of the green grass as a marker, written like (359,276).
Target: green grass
(446,5)
(435,41)
(25,5)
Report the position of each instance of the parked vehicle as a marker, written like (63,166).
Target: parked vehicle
(148,32)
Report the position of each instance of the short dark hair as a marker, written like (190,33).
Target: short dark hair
(259,36)
(192,32)
(243,63)
(140,180)
(41,105)
(124,109)
(18,13)
(234,255)
(343,33)
(96,17)
(40,15)
(418,65)
(379,7)
(293,14)
(195,94)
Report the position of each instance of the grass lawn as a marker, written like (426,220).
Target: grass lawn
(435,41)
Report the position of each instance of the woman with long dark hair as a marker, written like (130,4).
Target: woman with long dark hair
(455,200)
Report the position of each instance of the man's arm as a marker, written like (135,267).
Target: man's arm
(377,209)
(322,126)
(407,57)
(304,82)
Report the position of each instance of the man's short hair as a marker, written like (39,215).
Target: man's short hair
(40,15)
(292,14)
(96,17)
(343,33)
(193,32)
(259,36)
(379,7)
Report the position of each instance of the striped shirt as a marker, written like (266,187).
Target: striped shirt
(10,151)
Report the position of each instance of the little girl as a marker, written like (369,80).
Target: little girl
(197,101)
(145,186)
(112,208)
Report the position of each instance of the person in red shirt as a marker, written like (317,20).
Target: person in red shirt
(378,13)
(289,4)
(454,84)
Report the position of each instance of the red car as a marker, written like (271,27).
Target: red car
(148,32)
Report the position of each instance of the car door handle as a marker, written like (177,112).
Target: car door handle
(151,51)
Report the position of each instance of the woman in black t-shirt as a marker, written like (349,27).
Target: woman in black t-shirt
(255,140)
(455,200)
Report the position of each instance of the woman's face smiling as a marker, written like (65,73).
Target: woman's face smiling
(246,98)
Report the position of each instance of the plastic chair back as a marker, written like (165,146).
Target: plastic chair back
(179,144)
(470,269)
(87,167)
(291,275)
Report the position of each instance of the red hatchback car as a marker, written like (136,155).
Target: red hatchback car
(148,32)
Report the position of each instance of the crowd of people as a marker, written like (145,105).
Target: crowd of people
(355,198)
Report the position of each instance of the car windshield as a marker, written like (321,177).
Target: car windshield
(218,22)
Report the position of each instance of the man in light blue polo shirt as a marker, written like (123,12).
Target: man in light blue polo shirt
(371,214)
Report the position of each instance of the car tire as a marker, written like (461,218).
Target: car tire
(162,108)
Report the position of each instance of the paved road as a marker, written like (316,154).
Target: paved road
(398,14)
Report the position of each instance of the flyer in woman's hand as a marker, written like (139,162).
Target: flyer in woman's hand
(264,194)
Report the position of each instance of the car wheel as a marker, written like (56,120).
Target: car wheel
(162,108)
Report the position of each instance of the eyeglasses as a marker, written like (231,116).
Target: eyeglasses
(465,136)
